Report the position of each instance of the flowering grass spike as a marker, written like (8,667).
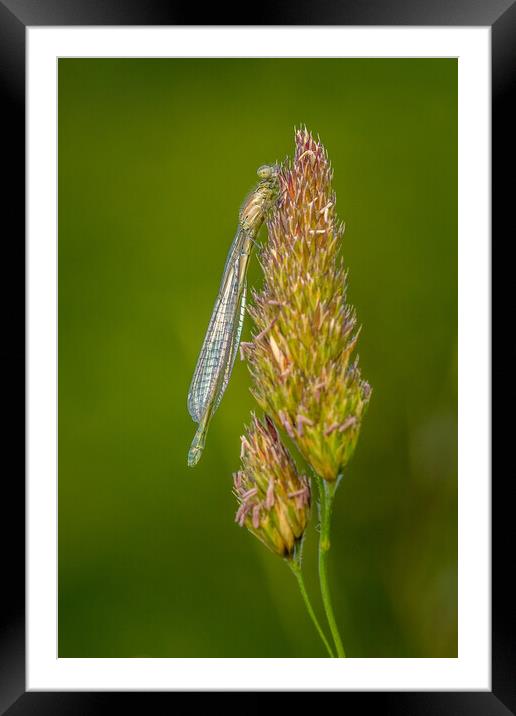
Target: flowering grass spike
(301,357)
(274,500)
(305,373)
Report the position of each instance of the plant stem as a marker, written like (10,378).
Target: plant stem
(327,493)
(296,569)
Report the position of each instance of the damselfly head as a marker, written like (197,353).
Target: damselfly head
(267,171)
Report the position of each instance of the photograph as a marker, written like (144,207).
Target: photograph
(260,294)
(257,357)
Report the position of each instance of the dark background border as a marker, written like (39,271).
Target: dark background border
(15,15)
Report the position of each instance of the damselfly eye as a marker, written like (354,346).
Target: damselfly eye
(266,171)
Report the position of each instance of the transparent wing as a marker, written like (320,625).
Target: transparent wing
(220,344)
(234,348)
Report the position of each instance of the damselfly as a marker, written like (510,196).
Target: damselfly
(220,345)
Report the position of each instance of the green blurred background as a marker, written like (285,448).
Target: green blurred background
(155,158)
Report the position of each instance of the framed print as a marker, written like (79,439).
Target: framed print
(258,363)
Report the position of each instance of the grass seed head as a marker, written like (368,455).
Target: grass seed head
(302,362)
(274,500)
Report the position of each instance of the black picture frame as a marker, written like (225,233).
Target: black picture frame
(15,16)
